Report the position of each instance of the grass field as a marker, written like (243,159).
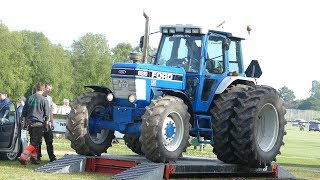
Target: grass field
(300,156)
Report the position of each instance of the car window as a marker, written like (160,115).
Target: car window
(7,114)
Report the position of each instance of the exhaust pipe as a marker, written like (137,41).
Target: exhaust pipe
(146,39)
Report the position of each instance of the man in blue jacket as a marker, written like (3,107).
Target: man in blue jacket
(4,105)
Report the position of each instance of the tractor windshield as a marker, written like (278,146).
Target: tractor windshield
(179,50)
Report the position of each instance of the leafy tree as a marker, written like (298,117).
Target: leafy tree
(121,52)
(315,89)
(287,95)
(14,72)
(91,60)
(315,96)
(48,63)
(62,79)
(305,104)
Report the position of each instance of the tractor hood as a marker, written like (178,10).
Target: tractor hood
(156,76)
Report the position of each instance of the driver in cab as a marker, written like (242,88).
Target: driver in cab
(194,56)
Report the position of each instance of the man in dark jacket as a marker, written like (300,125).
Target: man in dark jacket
(35,114)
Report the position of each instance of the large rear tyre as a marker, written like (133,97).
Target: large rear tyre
(258,126)
(85,109)
(133,143)
(165,129)
(222,112)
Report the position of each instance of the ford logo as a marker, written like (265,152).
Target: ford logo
(122,71)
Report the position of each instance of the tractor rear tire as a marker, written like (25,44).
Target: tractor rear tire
(133,143)
(78,132)
(165,129)
(222,112)
(258,126)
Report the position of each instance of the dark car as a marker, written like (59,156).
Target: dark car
(314,126)
(12,139)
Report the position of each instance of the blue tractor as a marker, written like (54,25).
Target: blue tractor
(196,86)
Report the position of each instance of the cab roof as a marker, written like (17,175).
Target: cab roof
(178,28)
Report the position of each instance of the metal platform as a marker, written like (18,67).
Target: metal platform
(66,164)
(138,167)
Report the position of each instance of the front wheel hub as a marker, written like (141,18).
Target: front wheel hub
(172,131)
(169,130)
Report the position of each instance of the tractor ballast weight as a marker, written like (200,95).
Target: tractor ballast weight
(196,86)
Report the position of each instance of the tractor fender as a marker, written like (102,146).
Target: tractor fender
(101,89)
(226,82)
(182,96)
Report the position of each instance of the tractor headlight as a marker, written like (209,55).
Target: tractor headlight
(172,30)
(195,30)
(165,30)
(187,30)
(132,98)
(110,97)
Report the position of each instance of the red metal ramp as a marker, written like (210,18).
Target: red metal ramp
(186,167)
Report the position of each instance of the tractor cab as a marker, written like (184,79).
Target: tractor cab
(207,57)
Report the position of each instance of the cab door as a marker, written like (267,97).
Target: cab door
(214,70)
(9,128)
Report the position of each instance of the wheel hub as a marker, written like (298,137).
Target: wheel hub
(172,131)
(267,127)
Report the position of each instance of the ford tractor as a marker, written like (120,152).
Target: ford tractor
(195,86)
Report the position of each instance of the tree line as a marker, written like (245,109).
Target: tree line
(310,103)
(28,57)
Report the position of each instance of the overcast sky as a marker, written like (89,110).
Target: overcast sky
(284,38)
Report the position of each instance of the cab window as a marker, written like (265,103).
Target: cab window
(234,54)
(215,55)
(7,114)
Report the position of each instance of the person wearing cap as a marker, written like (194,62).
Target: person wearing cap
(22,100)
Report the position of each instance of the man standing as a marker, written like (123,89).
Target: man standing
(4,100)
(48,136)
(4,105)
(22,101)
(35,114)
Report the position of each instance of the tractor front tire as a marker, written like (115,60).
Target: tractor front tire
(258,126)
(83,141)
(165,129)
(133,143)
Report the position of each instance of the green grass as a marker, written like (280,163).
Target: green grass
(301,149)
(303,173)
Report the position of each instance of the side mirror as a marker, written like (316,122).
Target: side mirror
(253,70)
(141,42)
